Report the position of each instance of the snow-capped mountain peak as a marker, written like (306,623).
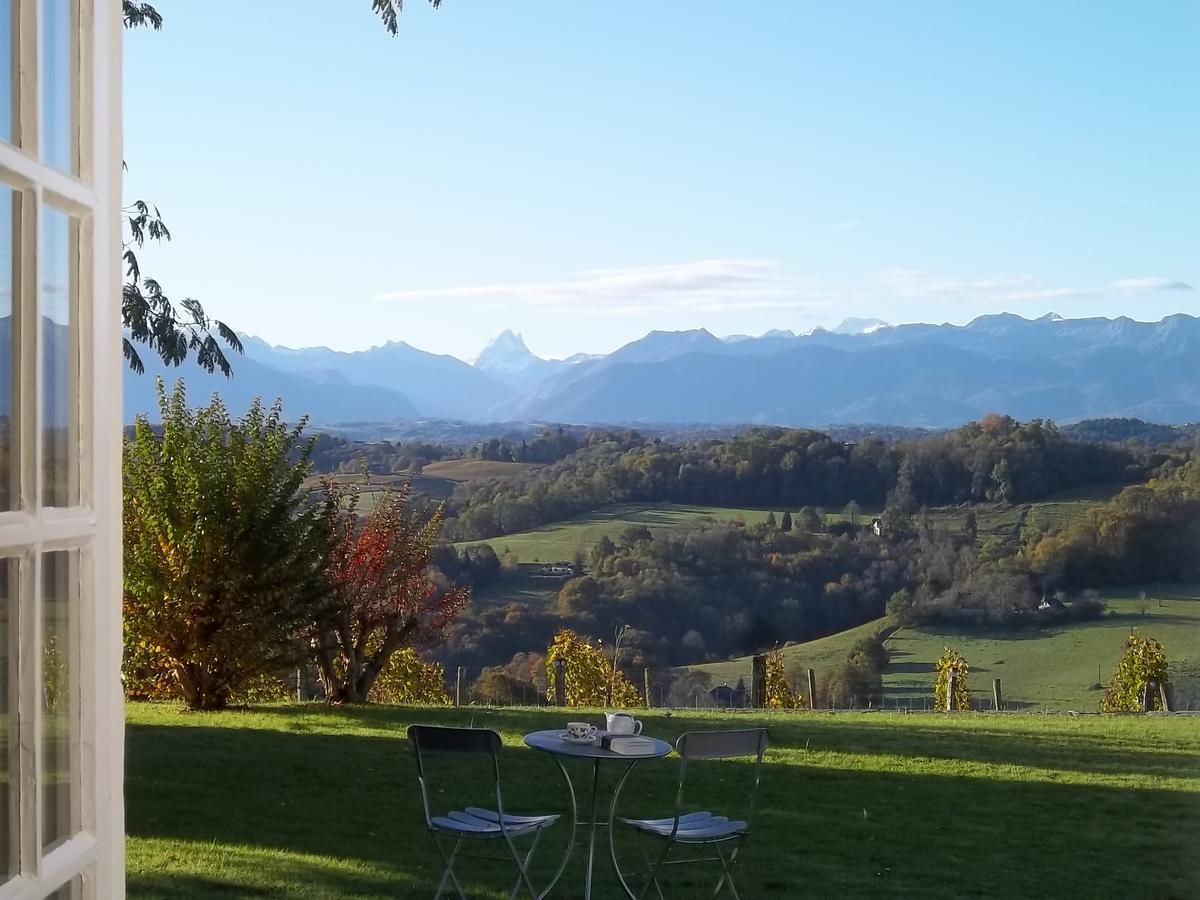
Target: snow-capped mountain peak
(506,353)
(861,326)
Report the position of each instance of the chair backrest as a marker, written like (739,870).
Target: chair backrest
(722,744)
(443,739)
(702,745)
(463,742)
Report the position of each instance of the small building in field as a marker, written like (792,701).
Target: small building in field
(726,697)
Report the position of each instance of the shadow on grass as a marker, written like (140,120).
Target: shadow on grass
(819,831)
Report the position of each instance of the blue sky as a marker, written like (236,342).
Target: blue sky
(583,172)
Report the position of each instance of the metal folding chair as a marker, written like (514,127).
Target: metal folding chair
(473,823)
(725,836)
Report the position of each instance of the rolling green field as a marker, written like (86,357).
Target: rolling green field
(313,802)
(1054,668)
(475,469)
(562,540)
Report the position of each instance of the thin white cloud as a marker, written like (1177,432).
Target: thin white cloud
(710,285)
(917,283)
(847,225)
(1152,283)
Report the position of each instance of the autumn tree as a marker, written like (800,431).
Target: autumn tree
(589,673)
(778,694)
(952,663)
(224,561)
(383,597)
(1144,663)
(408,680)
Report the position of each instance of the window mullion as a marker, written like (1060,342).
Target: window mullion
(29,712)
(26,95)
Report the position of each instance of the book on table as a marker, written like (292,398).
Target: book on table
(627,744)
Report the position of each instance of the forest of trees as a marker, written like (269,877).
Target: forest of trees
(994,459)
(726,589)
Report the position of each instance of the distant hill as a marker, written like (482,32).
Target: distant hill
(440,387)
(325,399)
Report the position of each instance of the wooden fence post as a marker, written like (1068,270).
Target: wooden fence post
(951,688)
(1168,696)
(1148,696)
(758,682)
(560,682)
(646,685)
(997,697)
(460,682)
(812,689)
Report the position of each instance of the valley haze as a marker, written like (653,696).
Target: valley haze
(864,371)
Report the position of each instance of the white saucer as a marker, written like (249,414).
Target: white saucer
(566,736)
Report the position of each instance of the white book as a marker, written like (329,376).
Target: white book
(630,745)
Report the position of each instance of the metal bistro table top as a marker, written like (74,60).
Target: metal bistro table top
(550,742)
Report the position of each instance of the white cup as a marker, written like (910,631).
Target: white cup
(622,723)
(581,730)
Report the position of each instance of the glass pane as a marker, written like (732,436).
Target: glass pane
(8,797)
(60,708)
(6,70)
(58,84)
(60,369)
(8,365)
(72,890)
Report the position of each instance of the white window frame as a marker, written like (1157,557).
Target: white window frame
(93,199)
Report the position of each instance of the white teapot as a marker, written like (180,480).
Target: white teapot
(622,723)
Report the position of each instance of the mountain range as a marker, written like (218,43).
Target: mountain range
(864,371)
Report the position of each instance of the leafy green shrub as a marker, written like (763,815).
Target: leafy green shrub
(1144,661)
(224,560)
(952,661)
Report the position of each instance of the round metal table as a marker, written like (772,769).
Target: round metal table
(550,742)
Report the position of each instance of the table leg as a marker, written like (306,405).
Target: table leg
(612,831)
(587,885)
(574,821)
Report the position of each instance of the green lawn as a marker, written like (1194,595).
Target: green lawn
(306,801)
(1054,668)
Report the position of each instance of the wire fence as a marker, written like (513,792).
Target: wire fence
(679,689)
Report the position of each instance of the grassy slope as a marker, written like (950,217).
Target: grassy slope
(819,654)
(304,801)
(475,469)
(1053,668)
(561,540)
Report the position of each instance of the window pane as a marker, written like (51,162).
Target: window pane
(8,797)
(60,709)
(72,890)
(60,364)
(8,373)
(58,84)
(6,70)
